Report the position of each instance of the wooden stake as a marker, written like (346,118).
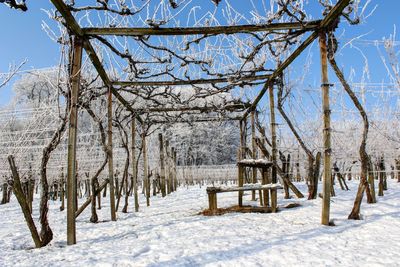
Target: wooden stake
(110,156)
(274,145)
(162,164)
(174,168)
(326,193)
(72,132)
(241,169)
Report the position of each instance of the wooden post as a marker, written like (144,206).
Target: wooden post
(174,168)
(167,167)
(212,201)
(72,132)
(266,192)
(110,156)
(326,193)
(240,168)
(134,167)
(146,181)
(274,145)
(162,164)
(254,152)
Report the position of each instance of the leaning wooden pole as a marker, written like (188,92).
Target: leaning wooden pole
(110,156)
(274,154)
(327,182)
(134,166)
(72,132)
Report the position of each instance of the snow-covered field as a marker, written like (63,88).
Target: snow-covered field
(170,233)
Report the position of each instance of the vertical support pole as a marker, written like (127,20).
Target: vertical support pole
(240,168)
(162,164)
(327,182)
(72,132)
(134,167)
(168,168)
(110,156)
(175,178)
(253,152)
(274,145)
(266,192)
(145,167)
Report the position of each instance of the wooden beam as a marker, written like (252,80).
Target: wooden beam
(110,156)
(280,69)
(194,120)
(72,133)
(212,30)
(231,80)
(274,154)
(332,15)
(327,181)
(70,21)
(231,107)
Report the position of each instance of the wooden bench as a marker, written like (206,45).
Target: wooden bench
(213,191)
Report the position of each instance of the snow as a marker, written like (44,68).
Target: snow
(255,161)
(171,233)
(249,187)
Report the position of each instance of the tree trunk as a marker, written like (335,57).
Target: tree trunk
(24,204)
(364,158)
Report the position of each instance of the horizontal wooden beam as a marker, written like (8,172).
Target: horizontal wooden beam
(193,120)
(231,80)
(232,108)
(212,30)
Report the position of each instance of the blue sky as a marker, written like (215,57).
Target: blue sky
(22,38)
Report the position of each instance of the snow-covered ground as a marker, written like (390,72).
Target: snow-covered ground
(170,233)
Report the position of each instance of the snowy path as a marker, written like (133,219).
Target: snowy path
(169,233)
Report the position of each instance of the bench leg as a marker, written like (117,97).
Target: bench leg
(260,193)
(212,202)
(274,200)
(266,198)
(265,192)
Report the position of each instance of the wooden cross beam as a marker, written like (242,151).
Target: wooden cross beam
(194,120)
(230,107)
(212,30)
(231,80)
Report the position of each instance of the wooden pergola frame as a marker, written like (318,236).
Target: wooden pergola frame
(82,38)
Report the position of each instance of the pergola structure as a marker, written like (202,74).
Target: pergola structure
(82,41)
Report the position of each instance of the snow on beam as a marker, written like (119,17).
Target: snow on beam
(260,163)
(246,187)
